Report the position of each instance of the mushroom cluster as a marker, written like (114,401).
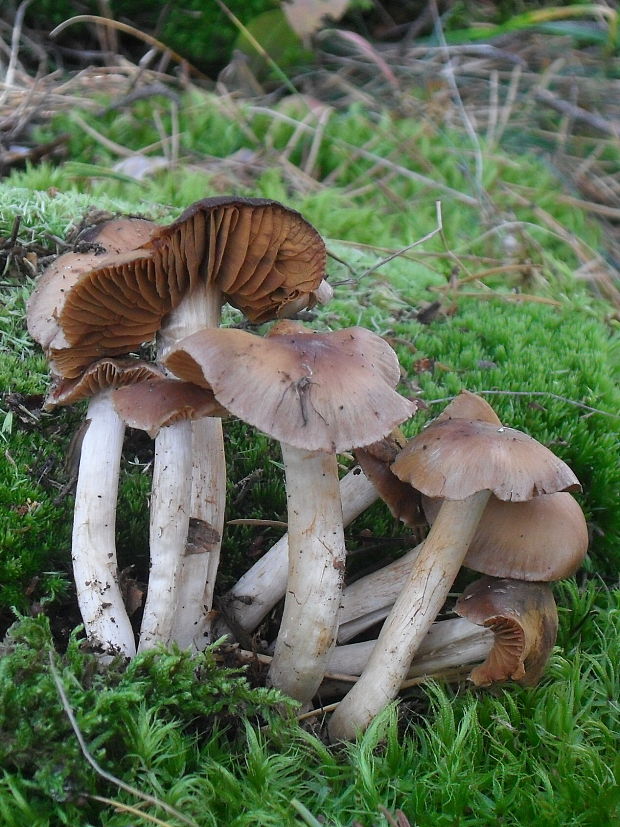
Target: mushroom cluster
(491,495)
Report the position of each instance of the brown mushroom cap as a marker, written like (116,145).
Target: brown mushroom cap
(315,391)
(402,500)
(110,239)
(101,375)
(456,458)
(259,253)
(158,402)
(468,405)
(524,619)
(545,538)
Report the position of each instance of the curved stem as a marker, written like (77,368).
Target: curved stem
(316,571)
(94,524)
(416,607)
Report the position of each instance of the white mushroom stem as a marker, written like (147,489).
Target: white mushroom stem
(177,580)
(369,599)
(94,522)
(170,500)
(418,604)
(260,588)
(316,571)
(447,644)
(192,627)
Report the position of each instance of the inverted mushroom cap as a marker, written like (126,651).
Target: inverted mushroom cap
(524,620)
(109,239)
(101,375)
(260,254)
(545,538)
(315,391)
(402,500)
(456,458)
(158,402)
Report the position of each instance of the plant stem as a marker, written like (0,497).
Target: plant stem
(195,481)
(369,599)
(170,500)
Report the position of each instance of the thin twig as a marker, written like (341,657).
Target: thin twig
(532,393)
(449,73)
(112,779)
(127,808)
(248,521)
(15,36)
(515,298)
(577,113)
(124,27)
(438,229)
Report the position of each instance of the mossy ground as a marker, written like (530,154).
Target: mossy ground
(540,341)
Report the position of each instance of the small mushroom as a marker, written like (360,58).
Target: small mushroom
(154,405)
(464,461)
(317,393)
(524,620)
(93,545)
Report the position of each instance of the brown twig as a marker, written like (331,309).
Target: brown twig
(577,113)
(124,27)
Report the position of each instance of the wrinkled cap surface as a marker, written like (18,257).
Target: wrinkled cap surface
(524,620)
(545,538)
(315,391)
(456,458)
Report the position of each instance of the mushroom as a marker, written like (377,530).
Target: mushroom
(93,545)
(257,254)
(260,588)
(543,539)
(463,461)
(447,644)
(524,620)
(152,406)
(261,257)
(319,393)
